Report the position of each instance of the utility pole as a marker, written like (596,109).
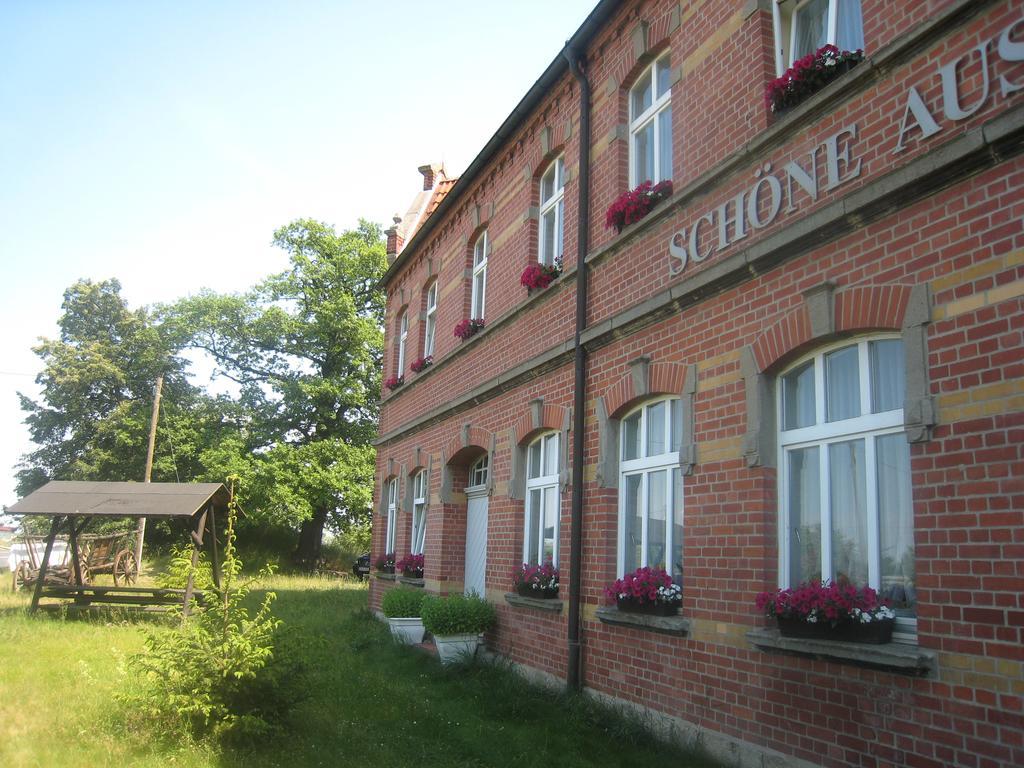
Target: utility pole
(140,530)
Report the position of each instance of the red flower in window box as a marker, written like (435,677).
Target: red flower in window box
(831,611)
(536,580)
(411,566)
(394,382)
(386,563)
(467,328)
(809,75)
(637,203)
(646,590)
(536,276)
(423,362)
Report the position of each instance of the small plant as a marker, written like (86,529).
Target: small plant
(536,580)
(537,277)
(468,328)
(646,586)
(422,363)
(411,566)
(394,382)
(809,75)
(402,603)
(457,614)
(176,575)
(826,603)
(385,563)
(637,203)
(220,672)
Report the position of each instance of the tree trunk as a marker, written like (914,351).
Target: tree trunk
(307,554)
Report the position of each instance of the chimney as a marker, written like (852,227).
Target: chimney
(394,239)
(430,174)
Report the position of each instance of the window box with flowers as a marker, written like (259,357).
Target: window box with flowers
(540,581)
(410,566)
(827,611)
(469,328)
(809,75)
(394,382)
(646,590)
(537,277)
(385,566)
(422,364)
(637,203)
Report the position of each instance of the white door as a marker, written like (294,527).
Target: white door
(476,541)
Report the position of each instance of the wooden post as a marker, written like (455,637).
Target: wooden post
(54,527)
(197,545)
(73,532)
(141,525)
(215,565)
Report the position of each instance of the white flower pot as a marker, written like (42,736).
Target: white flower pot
(407,630)
(451,648)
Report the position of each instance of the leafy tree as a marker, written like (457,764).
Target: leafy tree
(304,348)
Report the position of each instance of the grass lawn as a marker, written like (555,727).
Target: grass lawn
(371,703)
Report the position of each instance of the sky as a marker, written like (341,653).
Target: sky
(162,143)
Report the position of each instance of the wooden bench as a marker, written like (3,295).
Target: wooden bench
(141,597)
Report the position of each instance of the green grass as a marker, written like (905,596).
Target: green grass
(371,702)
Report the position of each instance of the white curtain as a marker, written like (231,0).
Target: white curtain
(896,522)
(849,27)
(847,489)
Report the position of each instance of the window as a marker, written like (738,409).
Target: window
(478,472)
(540,538)
(403,335)
(428,334)
(650,125)
(651,489)
(481,250)
(845,503)
(803,26)
(419,513)
(552,193)
(389,537)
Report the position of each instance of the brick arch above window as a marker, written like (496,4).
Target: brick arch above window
(644,381)
(826,314)
(461,451)
(649,38)
(540,418)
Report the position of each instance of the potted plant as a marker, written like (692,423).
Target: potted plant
(457,623)
(394,382)
(402,607)
(468,328)
(809,75)
(536,580)
(537,277)
(422,363)
(830,611)
(385,563)
(632,206)
(647,590)
(411,566)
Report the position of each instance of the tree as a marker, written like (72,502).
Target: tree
(304,348)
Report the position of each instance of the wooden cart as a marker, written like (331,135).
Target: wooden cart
(26,570)
(114,554)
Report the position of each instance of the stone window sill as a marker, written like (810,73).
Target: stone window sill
(666,625)
(897,657)
(412,582)
(552,605)
(384,576)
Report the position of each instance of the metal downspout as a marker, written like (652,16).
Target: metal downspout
(573,673)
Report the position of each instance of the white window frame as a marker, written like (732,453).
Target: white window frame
(430,322)
(650,115)
(554,203)
(418,538)
(645,466)
(479,473)
(389,536)
(481,251)
(822,434)
(785,29)
(546,444)
(403,336)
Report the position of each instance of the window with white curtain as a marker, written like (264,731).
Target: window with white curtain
(540,537)
(650,124)
(403,336)
(481,250)
(651,489)
(389,536)
(844,472)
(419,513)
(552,195)
(431,321)
(803,26)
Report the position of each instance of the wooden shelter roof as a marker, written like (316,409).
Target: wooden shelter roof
(106,499)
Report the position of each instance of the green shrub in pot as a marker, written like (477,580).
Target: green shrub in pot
(456,622)
(402,603)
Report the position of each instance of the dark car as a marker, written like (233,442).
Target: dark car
(361,567)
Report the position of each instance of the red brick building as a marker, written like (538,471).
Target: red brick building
(806,362)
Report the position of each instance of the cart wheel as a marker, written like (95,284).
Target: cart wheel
(125,568)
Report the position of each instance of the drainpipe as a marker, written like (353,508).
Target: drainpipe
(573,673)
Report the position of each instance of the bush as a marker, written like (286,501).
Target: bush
(457,615)
(402,603)
(176,575)
(220,672)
